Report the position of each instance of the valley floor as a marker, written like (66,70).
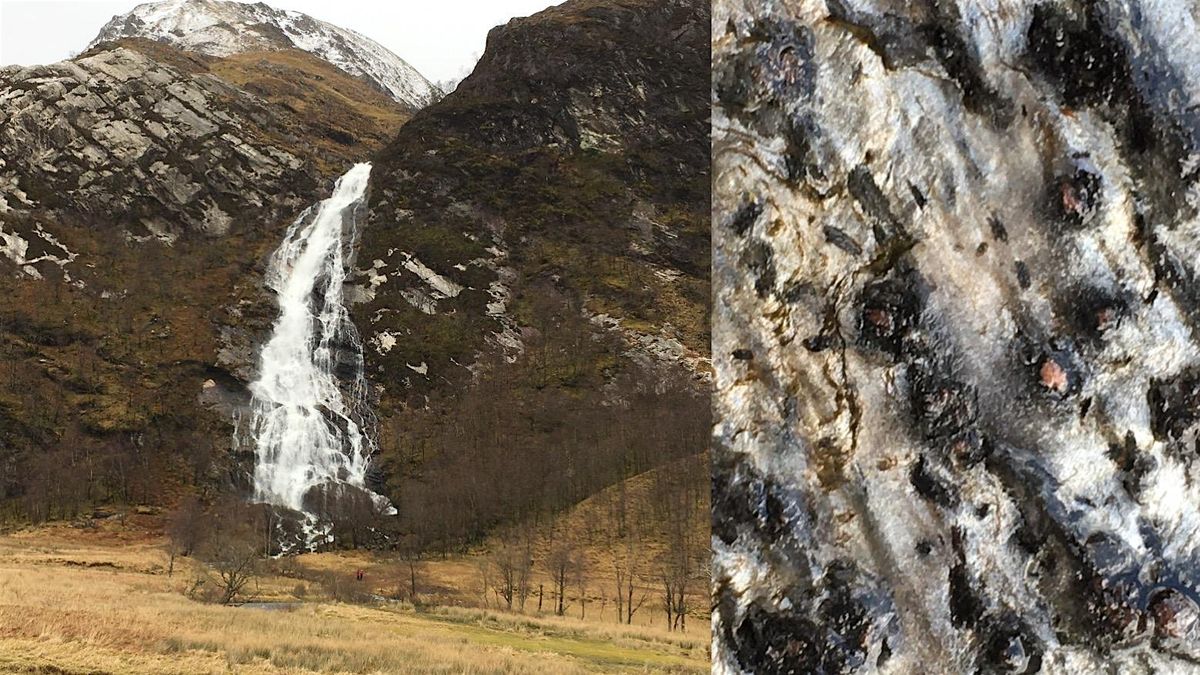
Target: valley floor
(100,601)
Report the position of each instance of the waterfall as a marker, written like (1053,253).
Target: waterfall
(307,411)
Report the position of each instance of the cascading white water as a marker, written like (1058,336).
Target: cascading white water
(307,409)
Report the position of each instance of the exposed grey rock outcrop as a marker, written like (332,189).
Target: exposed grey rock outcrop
(954,337)
(139,146)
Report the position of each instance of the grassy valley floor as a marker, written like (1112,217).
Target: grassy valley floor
(100,601)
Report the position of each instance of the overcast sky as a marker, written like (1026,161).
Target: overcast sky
(440,38)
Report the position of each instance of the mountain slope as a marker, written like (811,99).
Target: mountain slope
(140,190)
(574,157)
(223,28)
(535,267)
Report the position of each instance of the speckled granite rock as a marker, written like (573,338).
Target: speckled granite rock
(954,337)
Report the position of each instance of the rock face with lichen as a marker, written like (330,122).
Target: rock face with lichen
(954,254)
(572,164)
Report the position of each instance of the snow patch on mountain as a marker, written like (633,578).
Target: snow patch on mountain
(223,28)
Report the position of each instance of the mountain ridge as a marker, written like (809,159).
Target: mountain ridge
(224,28)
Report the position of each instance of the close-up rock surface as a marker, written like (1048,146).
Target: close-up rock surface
(954,337)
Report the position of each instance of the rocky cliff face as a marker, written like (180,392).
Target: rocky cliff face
(150,148)
(221,28)
(141,188)
(545,227)
(955,337)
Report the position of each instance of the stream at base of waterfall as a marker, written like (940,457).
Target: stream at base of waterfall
(309,421)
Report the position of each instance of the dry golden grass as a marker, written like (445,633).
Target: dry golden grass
(100,602)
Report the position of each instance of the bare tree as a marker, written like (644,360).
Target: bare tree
(562,564)
(626,590)
(232,554)
(485,579)
(676,507)
(619,573)
(525,576)
(410,549)
(581,576)
(674,578)
(235,565)
(512,573)
(506,559)
(626,575)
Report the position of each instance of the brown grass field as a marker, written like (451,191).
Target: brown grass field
(92,601)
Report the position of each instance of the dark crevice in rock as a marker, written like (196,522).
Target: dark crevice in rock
(746,215)
(786,641)
(1024,280)
(962,65)
(875,205)
(745,502)
(928,483)
(891,312)
(894,39)
(900,42)
(840,239)
(1074,198)
(1174,405)
(1092,312)
(770,77)
(1088,65)
(759,262)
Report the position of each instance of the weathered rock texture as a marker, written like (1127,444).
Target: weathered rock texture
(954,337)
